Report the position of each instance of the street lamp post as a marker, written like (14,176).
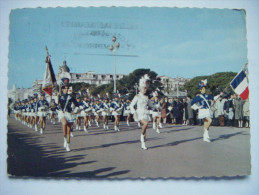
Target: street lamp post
(113,48)
(177,86)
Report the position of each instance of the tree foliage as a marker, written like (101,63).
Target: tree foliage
(218,82)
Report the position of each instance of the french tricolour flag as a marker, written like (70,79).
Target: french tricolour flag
(240,85)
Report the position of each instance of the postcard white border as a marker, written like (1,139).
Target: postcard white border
(248,185)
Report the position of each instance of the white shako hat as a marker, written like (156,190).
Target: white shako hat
(143,82)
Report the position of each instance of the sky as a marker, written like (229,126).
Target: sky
(183,42)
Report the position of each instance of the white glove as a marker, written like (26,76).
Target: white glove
(195,107)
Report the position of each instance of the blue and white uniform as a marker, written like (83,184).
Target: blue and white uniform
(65,107)
(86,108)
(105,109)
(34,109)
(156,109)
(17,109)
(97,109)
(42,107)
(203,104)
(126,108)
(116,108)
(53,108)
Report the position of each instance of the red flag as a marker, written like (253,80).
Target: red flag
(49,77)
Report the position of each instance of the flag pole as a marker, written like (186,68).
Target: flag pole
(245,69)
(48,60)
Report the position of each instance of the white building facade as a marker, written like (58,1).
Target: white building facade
(89,77)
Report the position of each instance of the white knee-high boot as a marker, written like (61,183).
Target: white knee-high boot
(143,145)
(206,136)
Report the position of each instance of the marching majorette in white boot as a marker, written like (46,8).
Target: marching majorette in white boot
(126,109)
(53,111)
(204,107)
(105,107)
(156,111)
(116,110)
(78,116)
(86,112)
(42,106)
(141,114)
(34,112)
(67,112)
(97,111)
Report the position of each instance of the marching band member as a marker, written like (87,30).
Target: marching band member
(78,116)
(42,107)
(65,114)
(91,118)
(156,112)
(53,111)
(17,110)
(116,109)
(201,102)
(35,111)
(126,111)
(31,117)
(141,113)
(86,111)
(105,112)
(97,111)
(26,110)
(23,110)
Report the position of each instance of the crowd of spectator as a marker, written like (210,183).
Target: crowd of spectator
(229,110)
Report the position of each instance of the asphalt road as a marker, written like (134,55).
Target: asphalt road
(178,151)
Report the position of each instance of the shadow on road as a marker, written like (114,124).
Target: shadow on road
(28,157)
(175,143)
(113,144)
(227,136)
(96,174)
(176,130)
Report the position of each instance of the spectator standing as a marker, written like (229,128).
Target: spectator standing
(246,112)
(189,112)
(238,107)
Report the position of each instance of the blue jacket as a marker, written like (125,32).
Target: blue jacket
(201,101)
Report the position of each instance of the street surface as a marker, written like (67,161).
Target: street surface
(178,151)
